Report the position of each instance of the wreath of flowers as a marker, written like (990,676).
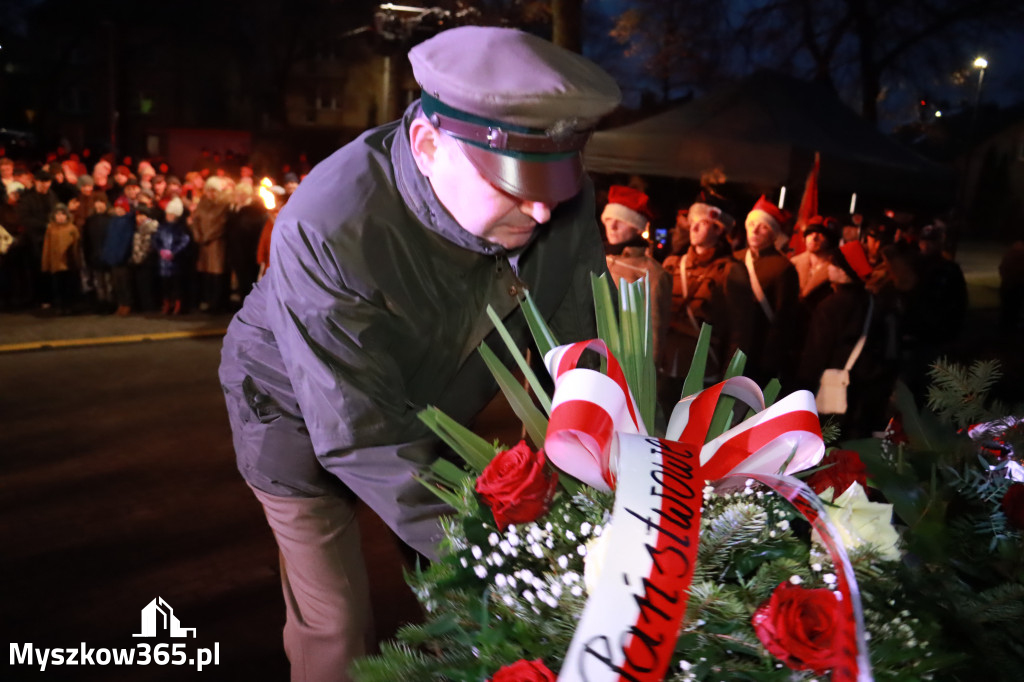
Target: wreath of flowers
(524,549)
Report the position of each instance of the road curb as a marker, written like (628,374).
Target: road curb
(54,344)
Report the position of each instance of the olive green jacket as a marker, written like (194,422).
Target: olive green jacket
(372,310)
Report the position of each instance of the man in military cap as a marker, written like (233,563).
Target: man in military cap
(383,264)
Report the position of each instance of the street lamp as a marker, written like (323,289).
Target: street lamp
(966,191)
(981,64)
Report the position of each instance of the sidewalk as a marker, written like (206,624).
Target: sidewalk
(25,331)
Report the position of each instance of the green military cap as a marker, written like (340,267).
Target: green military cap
(521,107)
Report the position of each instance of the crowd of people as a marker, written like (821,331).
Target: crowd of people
(117,239)
(863,299)
(795,298)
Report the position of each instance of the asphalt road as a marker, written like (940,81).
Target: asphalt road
(118,486)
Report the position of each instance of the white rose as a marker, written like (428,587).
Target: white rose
(861,522)
(593,563)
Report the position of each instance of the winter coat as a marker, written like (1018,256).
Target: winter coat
(171,237)
(717,293)
(34,210)
(209,233)
(835,326)
(60,248)
(374,309)
(142,241)
(632,264)
(117,246)
(243,236)
(773,344)
(94,236)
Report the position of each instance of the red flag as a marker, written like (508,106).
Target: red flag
(808,206)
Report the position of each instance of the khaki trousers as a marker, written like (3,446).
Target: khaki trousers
(323,576)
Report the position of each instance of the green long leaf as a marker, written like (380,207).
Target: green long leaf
(449,473)
(535,422)
(722,418)
(448,497)
(694,381)
(604,309)
(531,378)
(637,350)
(542,335)
(771,392)
(913,425)
(476,452)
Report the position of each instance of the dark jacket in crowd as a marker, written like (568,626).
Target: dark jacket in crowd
(34,210)
(94,236)
(117,247)
(835,326)
(773,344)
(243,238)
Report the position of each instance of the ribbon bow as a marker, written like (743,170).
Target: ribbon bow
(590,410)
(595,434)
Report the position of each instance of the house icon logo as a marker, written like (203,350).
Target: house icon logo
(158,619)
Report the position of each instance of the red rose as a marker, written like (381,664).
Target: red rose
(845,470)
(524,671)
(517,485)
(1013,505)
(801,627)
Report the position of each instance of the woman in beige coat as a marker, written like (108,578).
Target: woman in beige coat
(209,234)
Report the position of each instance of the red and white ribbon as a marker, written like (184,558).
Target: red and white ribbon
(631,621)
(588,410)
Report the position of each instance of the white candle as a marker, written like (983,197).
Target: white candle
(853,203)
(782,197)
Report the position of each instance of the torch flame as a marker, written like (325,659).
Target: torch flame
(269,200)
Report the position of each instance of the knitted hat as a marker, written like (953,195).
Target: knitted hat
(84,180)
(852,258)
(769,213)
(174,207)
(628,205)
(122,202)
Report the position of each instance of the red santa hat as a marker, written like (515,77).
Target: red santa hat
(703,211)
(628,205)
(769,213)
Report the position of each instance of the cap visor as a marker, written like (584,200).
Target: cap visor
(549,182)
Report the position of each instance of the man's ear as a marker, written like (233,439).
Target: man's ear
(424,139)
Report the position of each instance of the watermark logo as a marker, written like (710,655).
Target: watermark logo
(158,619)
